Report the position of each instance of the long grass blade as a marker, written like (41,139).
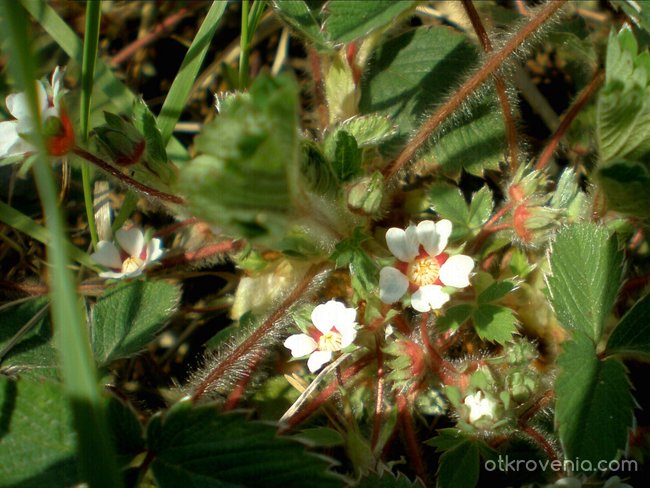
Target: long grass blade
(95,451)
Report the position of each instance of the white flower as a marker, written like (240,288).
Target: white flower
(480,407)
(423,267)
(11,142)
(334,329)
(131,258)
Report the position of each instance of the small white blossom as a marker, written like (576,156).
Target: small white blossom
(334,329)
(480,407)
(11,142)
(423,267)
(132,256)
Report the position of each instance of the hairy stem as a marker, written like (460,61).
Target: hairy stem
(127,180)
(567,120)
(379,401)
(508,120)
(410,438)
(471,85)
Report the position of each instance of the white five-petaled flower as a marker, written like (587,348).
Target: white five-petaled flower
(480,407)
(423,267)
(11,142)
(334,329)
(132,256)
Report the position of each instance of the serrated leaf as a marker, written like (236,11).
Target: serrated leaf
(459,466)
(625,185)
(594,406)
(495,291)
(386,480)
(320,436)
(455,316)
(407,77)
(127,317)
(586,268)
(299,16)
(369,130)
(348,21)
(363,270)
(494,323)
(448,202)
(35,348)
(632,334)
(37,441)
(155,155)
(638,11)
(480,208)
(243,177)
(198,446)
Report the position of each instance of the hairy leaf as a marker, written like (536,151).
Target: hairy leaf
(632,334)
(586,268)
(299,16)
(494,323)
(593,402)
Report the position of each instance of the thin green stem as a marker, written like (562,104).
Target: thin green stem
(244,46)
(71,336)
(91,41)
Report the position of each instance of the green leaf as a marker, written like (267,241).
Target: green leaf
(625,185)
(632,334)
(347,157)
(448,202)
(128,435)
(593,406)
(298,15)
(386,480)
(243,183)
(455,316)
(638,11)
(480,208)
(407,77)
(37,439)
(320,436)
(348,21)
(198,446)
(363,270)
(586,268)
(495,291)
(494,323)
(127,317)
(369,130)
(155,155)
(459,467)
(31,348)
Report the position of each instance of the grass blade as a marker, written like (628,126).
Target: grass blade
(71,332)
(180,89)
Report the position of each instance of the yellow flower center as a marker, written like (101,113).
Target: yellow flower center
(423,271)
(132,264)
(330,341)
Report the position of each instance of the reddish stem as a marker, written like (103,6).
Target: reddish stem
(410,438)
(567,120)
(206,252)
(541,441)
(170,229)
(499,84)
(127,180)
(238,392)
(326,393)
(158,31)
(258,334)
(440,366)
(494,62)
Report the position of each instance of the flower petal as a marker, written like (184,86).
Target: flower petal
(17,105)
(443,228)
(348,335)
(403,243)
(429,297)
(392,284)
(300,345)
(324,315)
(107,255)
(111,274)
(428,237)
(455,272)
(57,84)
(154,250)
(347,318)
(8,137)
(317,359)
(132,241)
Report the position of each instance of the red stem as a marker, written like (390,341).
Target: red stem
(257,335)
(499,84)
(567,120)
(410,438)
(439,365)
(206,252)
(127,180)
(495,61)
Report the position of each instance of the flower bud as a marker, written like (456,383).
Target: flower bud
(122,142)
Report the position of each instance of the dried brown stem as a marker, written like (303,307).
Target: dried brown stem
(158,31)
(127,180)
(259,333)
(471,85)
(506,109)
(567,120)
